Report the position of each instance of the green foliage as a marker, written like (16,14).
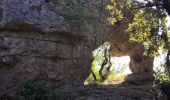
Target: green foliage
(98,75)
(146,29)
(164,82)
(95,69)
(105,75)
(147,25)
(34,90)
(161,77)
(117,9)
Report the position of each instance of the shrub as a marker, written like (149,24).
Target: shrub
(164,83)
(34,90)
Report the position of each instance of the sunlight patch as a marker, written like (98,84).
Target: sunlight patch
(159,61)
(108,69)
(121,64)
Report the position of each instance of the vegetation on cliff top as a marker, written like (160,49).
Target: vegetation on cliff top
(148,25)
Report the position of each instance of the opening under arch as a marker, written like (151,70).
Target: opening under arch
(118,68)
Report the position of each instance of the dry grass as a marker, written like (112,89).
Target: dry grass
(115,78)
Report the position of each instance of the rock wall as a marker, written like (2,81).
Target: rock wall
(45,40)
(53,40)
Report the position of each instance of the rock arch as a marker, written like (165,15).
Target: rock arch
(44,44)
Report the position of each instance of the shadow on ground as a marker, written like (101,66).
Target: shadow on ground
(122,91)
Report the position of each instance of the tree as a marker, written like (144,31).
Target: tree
(147,24)
(101,65)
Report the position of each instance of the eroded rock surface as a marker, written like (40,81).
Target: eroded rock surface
(41,41)
(113,92)
(142,69)
(53,40)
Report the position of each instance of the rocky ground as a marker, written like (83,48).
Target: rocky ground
(121,91)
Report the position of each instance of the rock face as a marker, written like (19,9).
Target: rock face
(142,69)
(53,40)
(45,40)
(111,92)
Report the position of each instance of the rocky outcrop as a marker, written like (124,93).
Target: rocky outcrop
(47,40)
(142,69)
(53,40)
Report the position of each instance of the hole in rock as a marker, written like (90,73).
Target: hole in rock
(107,69)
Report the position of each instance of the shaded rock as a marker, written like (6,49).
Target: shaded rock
(44,57)
(142,69)
(53,40)
(38,42)
(32,13)
(1,14)
(112,92)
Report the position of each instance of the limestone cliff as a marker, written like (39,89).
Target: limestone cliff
(53,40)
(48,40)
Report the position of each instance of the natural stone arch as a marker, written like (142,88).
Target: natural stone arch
(42,44)
(140,65)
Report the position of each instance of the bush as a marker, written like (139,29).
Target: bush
(34,90)
(164,83)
